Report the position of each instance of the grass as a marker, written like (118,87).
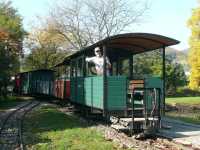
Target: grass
(10,101)
(183,100)
(192,117)
(47,128)
(185,112)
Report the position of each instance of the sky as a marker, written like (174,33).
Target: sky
(165,17)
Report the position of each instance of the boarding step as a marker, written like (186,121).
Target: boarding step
(129,121)
(140,108)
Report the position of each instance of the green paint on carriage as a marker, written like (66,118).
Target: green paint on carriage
(80,90)
(97,92)
(90,92)
(117,92)
(73,89)
(88,82)
(87,91)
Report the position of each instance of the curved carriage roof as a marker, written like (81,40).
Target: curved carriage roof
(130,43)
(136,42)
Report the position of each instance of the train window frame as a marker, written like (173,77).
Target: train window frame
(75,65)
(73,68)
(125,68)
(80,63)
(120,66)
(67,71)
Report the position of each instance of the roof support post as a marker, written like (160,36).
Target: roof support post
(84,66)
(164,78)
(104,83)
(131,66)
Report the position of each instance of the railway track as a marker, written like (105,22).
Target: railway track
(11,129)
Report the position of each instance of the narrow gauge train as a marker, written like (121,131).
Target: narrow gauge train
(135,103)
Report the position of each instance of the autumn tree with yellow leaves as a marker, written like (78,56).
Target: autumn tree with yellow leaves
(46,49)
(194,53)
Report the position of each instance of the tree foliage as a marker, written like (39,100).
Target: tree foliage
(151,64)
(11,37)
(175,76)
(194,54)
(46,49)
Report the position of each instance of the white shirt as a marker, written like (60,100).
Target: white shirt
(98,61)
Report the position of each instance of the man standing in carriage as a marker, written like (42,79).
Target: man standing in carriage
(98,61)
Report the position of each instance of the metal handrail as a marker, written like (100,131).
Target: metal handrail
(145,104)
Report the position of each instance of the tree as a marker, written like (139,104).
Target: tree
(194,54)
(151,64)
(11,37)
(175,76)
(46,49)
(84,22)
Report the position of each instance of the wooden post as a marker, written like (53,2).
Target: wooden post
(131,67)
(164,77)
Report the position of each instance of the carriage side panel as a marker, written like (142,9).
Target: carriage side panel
(117,92)
(93,92)
(88,91)
(73,89)
(80,90)
(97,89)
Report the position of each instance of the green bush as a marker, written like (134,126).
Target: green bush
(184,92)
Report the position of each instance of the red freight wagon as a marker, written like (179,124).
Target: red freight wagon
(59,88)
(62,88)
(67,89)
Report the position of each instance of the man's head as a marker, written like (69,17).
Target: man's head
(97,52)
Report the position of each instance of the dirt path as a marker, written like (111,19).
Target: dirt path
(181,132)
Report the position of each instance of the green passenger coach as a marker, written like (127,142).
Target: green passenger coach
(37,82)
(123,96)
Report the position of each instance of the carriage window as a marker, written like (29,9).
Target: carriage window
(73,69)
(67,71)
(114,68)
(125,70)
(80,67)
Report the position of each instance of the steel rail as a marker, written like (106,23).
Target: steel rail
(10,114)
(24,109)
(21,143)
